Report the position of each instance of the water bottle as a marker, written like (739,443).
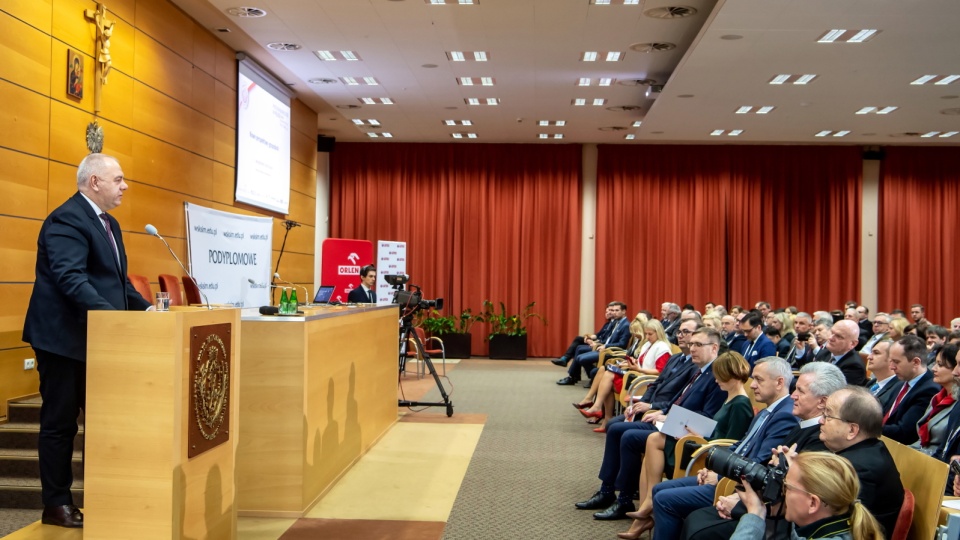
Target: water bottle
(284,302)
(293,301)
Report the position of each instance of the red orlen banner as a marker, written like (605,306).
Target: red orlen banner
(341,262)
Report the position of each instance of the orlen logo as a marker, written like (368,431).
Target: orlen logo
(345,270)
(353,257)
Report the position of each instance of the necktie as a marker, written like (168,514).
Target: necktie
(748,440)
(612,332)
(748,351)
(689,386)
(373,298)
(113,243)
(896,403)
(874,387)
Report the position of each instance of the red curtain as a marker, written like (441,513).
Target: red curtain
(728,224)
(481,221)
(918,231)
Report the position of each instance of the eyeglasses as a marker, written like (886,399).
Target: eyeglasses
(837,418)
(880,322)
(788,485)
(684,332)
(697,344)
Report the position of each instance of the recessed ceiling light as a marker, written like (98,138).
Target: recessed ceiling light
(476,81)
(766,109)
(558,135)
(599,101)
(735,132)
(629,136)
(373,135)
(543,136)
(579,102)
(452,2)
(717,132)
(947,80)
(484,101)
(847,36)
(823,133)
(614,56)
(877,110)
(842,133)
(246,12)
(929,134)
(867,110)
(584,81)
(609,56)
(467,56)
(458,122)
(637,123)
(376,101)
(795,79)
(949,134)
(611,2)
(744,110)
(925,79)
(334,56)
(387,135)
(940,79)
(887,110)
(606,81)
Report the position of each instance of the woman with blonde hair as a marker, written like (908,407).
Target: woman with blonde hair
(650,360)
(898,326)
(820,500)
(713,321)
(636,341)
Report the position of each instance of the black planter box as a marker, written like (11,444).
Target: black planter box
(457,345)
(504,347)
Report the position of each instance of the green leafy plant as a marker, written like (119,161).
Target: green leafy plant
(438,324)
(508,324)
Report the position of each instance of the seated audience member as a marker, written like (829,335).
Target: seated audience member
(619,335)
(784,324)
(936,336)
(773,334)
(720,310)
(626,441)
(820,501)
(949,449)
(911,330)
(731,371)
(955,324)
(851,315)
(906,361)
(763,307)
(813,349)
(757,345)
(650,360)
(953,336)
(884,385)
(736,309)
(712,321)
(816,382)
(670,319)
(919,315)
(932,426)
(881,331)
(842,345)
(866,327)
(675,499)
(613,355)
(898,327)
(588,342)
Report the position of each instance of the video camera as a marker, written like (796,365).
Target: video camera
(410,300)
(766,480)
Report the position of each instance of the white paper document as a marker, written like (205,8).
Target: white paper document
(680,419)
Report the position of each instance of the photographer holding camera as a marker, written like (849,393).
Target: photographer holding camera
(820,500)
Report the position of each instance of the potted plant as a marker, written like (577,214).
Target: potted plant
(453,330)
(508,332)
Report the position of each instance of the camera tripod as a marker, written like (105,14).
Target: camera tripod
(407,333)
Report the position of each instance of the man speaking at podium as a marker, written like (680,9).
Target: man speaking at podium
(81,266)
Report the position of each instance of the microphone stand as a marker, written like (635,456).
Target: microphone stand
(287,225)
(189,275)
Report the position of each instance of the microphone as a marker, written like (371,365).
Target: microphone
(269,310)
(289,224)
(152,231)
(306,293)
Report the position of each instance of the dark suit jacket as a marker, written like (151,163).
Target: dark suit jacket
(738,343)
(807,439)
(619,334)
(902,424)
(762,348)
(852,367)
(888,393)
(358,296)
(76,272)
(950,446)
(778,424)
(605,331)
(670,329)
(880,488)
(663,391)
(705,396)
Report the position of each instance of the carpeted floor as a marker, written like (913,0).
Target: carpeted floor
(535,458)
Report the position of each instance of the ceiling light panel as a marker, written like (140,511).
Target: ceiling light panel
(746,109)
(476,81)
(337,56)
(787,78)
(828,132)
(842,35)
(482,101)
(630,136)
(615,2)
(458,122)
(362,122)
(638,123)
(467,56)
(376,101)
(360,81)
(452,2)
(607,56)
(935,79)
(558,123)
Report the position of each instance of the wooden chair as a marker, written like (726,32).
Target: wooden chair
(637,386)
(925,477)
(191,291)
(170,284)
(724,487)
(432,353)
(142,285)
(698,459)
(905,519)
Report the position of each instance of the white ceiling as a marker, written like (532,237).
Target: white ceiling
(535,46)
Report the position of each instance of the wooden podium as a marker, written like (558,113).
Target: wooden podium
(155,380)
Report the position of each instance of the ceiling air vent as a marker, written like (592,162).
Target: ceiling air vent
(246,12)
(653,47)
(283,46)
(322,81)
(906,134)
(613,128)
(624,108)
(347,107)
(636,82)
(671,12)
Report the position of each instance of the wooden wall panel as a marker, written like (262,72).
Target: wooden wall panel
(204,50)
(162,69)
(117,99)
(18,252)
(68,136)
(202,96)
(304,149)
(122,45)
(160,164)
(165,23)
(225,107)
(71,28)
(162,117)
(23,185)
(300,239)
(36,13)
(224,183)
(296,267)
(25,127)
(302,208)
(226,67)
(124,10)
(303,120)
(224,144)
(14,298)
(303,179)
(26,55)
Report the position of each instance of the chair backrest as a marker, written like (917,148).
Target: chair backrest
(905,519)
(191,291)
(142,285)
(925,477)
(170,284)
(674,349)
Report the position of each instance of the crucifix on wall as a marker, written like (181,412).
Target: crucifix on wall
(102,53)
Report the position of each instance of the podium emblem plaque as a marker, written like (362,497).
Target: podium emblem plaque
(210,366)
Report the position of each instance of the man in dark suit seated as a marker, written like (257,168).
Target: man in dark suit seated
(81,266)
(675,499)
(670,319)
(587,342)
(626,441)
(907,361)
(365,293)
(619,337)
(884,384)
(813,349)
(758,345)
(842,345)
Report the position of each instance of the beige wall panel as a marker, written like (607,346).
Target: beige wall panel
(25,127)
(58,78)
(303,119)
(160,164)
(302,208)
(202,96)
(295,267)
(16,381)
(224,144)
(225,107)
(23,184)
(303,179)
(300,239)
(68,143)
(122,45)
(204,50)
(14,298)
(163,69)
(226,70)
(147,256)
(145,204)
(224,183)
(70,27)
(26,54)
(33,12)
(18,248)
(122,9)
(304,149)
(62,185)
(117,100)
(165,23)
(164,118)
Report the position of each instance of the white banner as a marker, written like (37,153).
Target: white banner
(226,251)
(391,259)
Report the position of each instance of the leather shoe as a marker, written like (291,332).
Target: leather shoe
(67,515)
(586,405)
(599,500)
(567,381)
(617,510)
(561,362)
(591,414)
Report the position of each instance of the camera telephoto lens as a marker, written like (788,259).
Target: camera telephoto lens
(766,481)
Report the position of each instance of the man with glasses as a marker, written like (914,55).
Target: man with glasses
(884,385)
(881,328)
(627,441)
(758,345)
(907,361)
(851,427)
(670,320)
